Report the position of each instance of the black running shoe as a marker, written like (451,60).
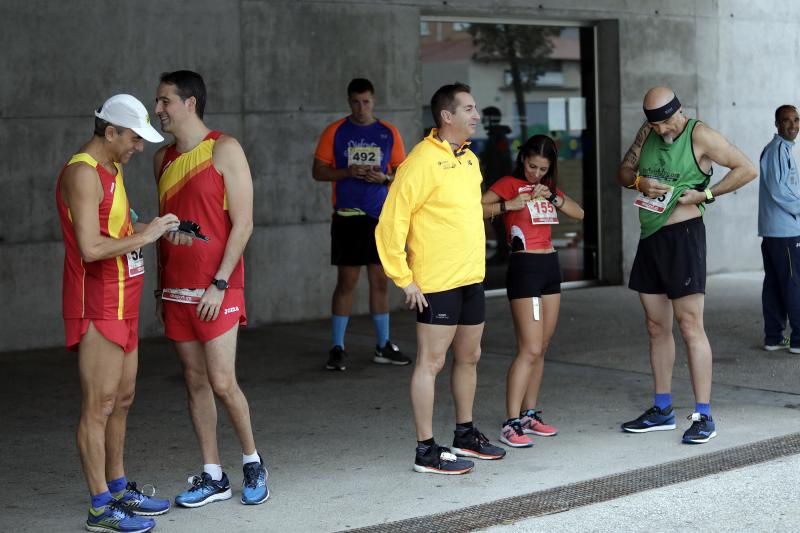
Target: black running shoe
(702,430)
(654,419)
(438,460)
(390,354)
(336,359)
(473,443)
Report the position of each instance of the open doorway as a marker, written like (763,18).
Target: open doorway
(527,79)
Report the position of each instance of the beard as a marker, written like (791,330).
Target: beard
(668,139)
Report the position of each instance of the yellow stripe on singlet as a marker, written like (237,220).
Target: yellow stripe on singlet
(184,168)
(83,158)
(118,227)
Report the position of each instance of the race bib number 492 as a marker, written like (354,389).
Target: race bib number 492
(363,155)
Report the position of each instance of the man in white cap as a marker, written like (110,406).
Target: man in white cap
(103,278)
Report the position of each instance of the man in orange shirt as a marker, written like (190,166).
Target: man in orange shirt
(358,154)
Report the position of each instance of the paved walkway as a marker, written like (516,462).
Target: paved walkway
(340,445)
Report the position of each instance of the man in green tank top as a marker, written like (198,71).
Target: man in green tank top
(669,165)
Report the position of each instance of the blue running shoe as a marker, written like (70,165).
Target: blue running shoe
(204,490)
(701,431)
(254,484)
(654,419)
(137,503)
(113,518)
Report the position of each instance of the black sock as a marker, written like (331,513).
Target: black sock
(463,428)
(424,445)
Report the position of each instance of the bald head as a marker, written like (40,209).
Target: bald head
(658,97)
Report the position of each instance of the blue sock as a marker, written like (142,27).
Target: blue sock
(663,400)
(101,500)
(115,486)
(703,409)
(381,322)
(339,325)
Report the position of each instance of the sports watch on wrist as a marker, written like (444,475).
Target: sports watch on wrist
(709,197)
(221,284)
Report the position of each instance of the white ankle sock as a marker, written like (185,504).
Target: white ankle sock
(215,471)
(252,458)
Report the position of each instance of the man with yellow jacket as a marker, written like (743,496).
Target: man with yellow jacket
(431,242)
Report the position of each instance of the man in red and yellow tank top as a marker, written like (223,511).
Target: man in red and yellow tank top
(103,278)
(204,177)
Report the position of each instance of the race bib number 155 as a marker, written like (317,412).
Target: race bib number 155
(542,212)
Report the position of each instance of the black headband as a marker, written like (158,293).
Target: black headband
(664,112)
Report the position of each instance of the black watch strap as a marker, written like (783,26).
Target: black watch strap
(221,284)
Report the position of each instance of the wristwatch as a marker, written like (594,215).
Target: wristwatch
(221,284)
(709,197)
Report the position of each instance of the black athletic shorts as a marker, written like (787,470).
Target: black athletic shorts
(672,261)
(353,240)
(463,305)
(532,275)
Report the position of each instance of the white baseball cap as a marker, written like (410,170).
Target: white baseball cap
(126,111)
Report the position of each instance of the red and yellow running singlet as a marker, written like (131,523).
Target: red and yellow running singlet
(107,289)
(191,187)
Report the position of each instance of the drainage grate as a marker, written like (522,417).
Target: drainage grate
(591,491)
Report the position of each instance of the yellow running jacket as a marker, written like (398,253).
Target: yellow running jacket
(434,207)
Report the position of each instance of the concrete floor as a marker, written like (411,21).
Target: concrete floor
(340,445)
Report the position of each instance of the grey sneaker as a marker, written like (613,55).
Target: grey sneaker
(390,354)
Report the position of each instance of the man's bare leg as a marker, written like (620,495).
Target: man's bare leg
(202,408)
(221,366)
(658,315)
(100,365)
(115,428)
(432,344)
(464,375)
(689,314)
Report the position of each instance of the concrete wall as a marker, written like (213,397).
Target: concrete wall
(276,73)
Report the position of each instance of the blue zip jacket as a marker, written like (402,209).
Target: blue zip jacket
(778,191)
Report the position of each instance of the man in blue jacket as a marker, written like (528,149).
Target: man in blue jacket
(779,225)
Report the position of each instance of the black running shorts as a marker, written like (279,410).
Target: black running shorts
(532,275)
(672,261)
(460,306)
(353,240)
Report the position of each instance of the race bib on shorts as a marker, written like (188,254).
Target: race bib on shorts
(363,155)
(656,205)
(135,263)
(542,212)
(183,296)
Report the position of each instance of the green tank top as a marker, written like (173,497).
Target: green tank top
(672,164)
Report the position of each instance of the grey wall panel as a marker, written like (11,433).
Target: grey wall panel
(30,284)
(289,275)
(84,51)
(298,54)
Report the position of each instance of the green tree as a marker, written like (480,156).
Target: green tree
(526,49)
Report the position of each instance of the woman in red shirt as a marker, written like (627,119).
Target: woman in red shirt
(529,202)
